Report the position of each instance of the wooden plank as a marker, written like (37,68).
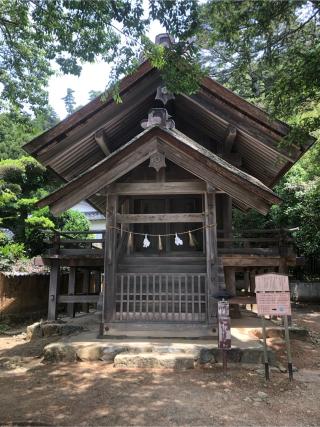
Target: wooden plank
(159,218)
(250,261)
(101,139)
(53,289)
(71,289)
(153,188)
(83,299)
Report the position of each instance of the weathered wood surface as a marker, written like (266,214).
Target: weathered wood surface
(161,297)
(154,188)
(53,289)
(158,218)
(236,184)
(110,258)
(82,299)
(86,112)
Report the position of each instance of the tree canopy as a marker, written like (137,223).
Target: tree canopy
(40,36)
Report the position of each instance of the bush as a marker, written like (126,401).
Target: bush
(9,254)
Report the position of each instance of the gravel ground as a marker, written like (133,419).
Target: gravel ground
(32,393)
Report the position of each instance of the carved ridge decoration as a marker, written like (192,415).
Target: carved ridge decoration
(157,161)
(158,117)
(164,95)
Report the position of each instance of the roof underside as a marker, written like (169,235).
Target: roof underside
(177,148)
(70,148)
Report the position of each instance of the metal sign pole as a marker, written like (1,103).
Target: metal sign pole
(265,349)
(287,337)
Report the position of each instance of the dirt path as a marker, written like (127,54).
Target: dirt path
(32,393)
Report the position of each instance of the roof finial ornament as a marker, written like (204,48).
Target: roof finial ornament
(158,117)
(163,94)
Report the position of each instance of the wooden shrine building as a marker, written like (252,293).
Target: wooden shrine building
(165,169)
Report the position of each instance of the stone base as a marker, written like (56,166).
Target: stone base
(180,361)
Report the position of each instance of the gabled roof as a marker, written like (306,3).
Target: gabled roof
(179,149)
(71,147)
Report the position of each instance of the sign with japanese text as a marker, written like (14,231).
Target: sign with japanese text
(273,295)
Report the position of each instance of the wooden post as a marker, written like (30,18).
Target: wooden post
(109,258)
(287,337)
(226,218)
(85,288)
(71,289)
(211,252)
(265,349)
(53,289)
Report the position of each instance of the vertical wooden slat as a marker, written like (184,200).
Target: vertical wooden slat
(121,297)
(128,296)
(147,296)
(134,295)
(160,295)
(180,297)
(199,297)
(167,296)
(153,296)
(85,288)
(173,296)
(186,302)
(192,296)
(141,289)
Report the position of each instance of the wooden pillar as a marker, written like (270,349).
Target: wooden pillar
(71,289)
(230,280)
(53,289)
(227,217)
(97,282)
(211,252)
(85,288)
(110,258)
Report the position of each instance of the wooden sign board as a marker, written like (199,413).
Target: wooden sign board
(224,325)
(273,295)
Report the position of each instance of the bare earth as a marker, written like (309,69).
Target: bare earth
(32,393)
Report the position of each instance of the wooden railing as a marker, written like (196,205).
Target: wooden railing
(158,297)
(258,242)
(254,242)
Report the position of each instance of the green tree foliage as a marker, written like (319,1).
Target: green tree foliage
(39,35)
(268,52)
(16,129)
(22,183)
(69,101)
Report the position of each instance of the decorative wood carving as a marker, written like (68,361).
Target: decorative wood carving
(157,161)
(164,95)
(158,117)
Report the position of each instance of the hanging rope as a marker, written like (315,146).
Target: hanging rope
(161,235)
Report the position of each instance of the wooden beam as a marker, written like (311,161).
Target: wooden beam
(226,120)
(231,135)
(53,289)
(159,218)
(101,139)
(154,188)
(187,154)
(82,299)
(104,177)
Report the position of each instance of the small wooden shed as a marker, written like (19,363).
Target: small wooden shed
(167,169)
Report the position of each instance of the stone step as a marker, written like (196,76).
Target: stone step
(179,361)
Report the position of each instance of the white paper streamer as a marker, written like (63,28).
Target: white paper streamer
(146,241)
(178,241)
